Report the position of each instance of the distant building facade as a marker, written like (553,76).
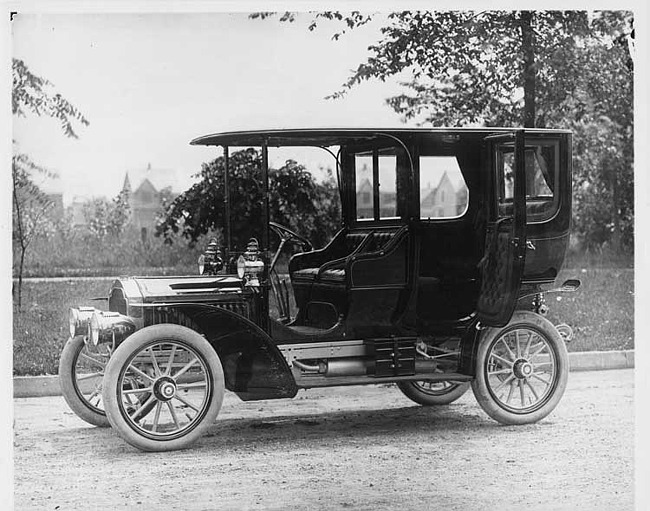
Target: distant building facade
(145,200)
(440,201)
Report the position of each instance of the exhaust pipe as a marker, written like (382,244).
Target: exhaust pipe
(356,367)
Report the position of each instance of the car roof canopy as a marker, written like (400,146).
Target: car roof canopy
(295,137)
(322,137)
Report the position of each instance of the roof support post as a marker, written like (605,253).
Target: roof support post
(265,193)
(375,183)
(226,201)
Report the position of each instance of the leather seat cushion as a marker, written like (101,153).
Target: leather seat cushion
(304,275)
(334,275)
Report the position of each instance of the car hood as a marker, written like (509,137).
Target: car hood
(178,288)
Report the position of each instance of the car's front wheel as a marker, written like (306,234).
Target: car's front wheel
(163,388)
(522,369)
(430,393)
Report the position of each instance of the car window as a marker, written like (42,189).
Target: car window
(542,170)
(443,191)
(365,189)
(387,186)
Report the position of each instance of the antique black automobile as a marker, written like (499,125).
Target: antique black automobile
(450,238)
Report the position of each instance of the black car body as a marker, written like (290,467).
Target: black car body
(429,287)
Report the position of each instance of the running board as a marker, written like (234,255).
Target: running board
(314,381)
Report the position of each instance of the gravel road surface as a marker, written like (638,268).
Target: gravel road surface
(344,448)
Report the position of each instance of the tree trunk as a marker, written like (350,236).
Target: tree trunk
(528,50)
(617,235)
(20,276)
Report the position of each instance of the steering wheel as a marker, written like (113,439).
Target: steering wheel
(287,234)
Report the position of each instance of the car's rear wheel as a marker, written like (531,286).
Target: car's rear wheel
(163,388)
(81,372)
(522,369)
(433,393)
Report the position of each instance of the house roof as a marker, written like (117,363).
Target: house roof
(157,177)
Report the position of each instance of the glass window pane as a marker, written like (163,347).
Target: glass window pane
(387,186)
(443,191)
(506,174)
(541,173)
(363,176)
(542,170)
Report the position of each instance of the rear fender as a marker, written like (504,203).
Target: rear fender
(469,349)
(253,366)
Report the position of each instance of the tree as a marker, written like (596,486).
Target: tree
(565,69)
(30,207)
(295,201)
(119,213)
(105,217)
(31,93)
(96,213)
(35,94)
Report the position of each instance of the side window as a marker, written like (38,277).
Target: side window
(542,171)
(443,191)
(365,190)
(386,185)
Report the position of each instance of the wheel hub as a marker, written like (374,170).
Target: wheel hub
(164,388)
(522,369)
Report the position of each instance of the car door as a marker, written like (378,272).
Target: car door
(505,245)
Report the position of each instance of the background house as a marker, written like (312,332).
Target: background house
(146,195)
(443,200)
(145,190)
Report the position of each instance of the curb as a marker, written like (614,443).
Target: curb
(599,360)
(42,386)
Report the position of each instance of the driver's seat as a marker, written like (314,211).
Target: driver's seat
(320,277)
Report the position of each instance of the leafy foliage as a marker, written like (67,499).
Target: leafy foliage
(29,211)
(561,69)
(295,200)
(108,217)
(30,204)
(70,252)
(35,94)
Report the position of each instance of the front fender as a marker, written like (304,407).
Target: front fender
(253,366)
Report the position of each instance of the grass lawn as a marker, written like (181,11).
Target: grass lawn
(41,326)
(601,313)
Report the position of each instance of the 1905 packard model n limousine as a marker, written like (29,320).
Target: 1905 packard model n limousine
(436,280)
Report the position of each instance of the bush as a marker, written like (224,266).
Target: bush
(79,253)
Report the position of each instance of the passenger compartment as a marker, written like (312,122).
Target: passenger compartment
(321,278)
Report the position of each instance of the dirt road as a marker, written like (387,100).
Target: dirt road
(346,448)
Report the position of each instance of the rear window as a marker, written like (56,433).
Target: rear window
(542,171)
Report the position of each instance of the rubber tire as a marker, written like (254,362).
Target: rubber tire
(521,319)
(133,344)
(77,403)
(409,389)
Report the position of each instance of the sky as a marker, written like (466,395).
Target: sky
(149,83)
